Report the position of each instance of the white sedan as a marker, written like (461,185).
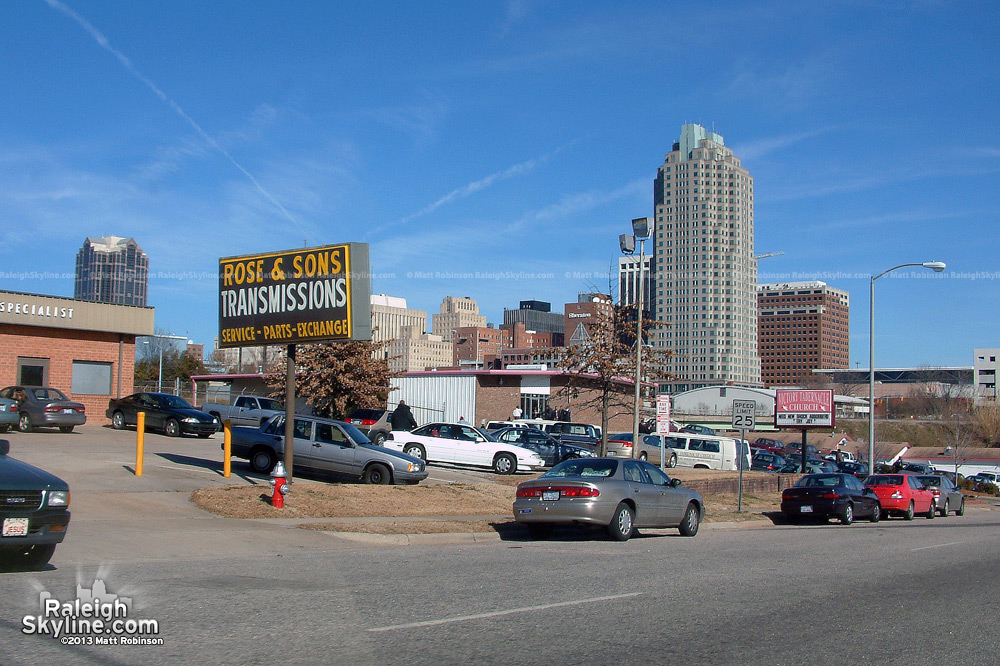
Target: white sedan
(462,445)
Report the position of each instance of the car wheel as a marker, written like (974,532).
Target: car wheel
(621,525)
(505,464)
(416,451)
(689,525)
(909,512)
(930,511)
(642,455)
(876,513)
(262,460)
(378,438)
(65,428)
(944,510)
(377,474)
(24,422)
(118,421)
(847,517)
(172,428)
(672,461)
(961,508)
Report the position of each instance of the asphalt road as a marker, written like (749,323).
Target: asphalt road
(892,593)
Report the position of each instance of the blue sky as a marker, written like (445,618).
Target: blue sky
(517,137)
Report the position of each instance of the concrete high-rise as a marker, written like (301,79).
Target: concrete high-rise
(456,313)
(706,273)
(112,270)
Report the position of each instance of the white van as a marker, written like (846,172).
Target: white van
(705,451)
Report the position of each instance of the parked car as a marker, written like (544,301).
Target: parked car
(914,467)
(44,407)
(372,422)
(825,496)
(463,445)
(795,448)
(765,461)
(169,413)
(245,410)
(8,413)
(34,514)
(328,446)
(581,434)
(697,429)
(619,495)
(771,445)
(901,494)
(858,469)
(947,496)
(551,450)
(794,466)
(620,445)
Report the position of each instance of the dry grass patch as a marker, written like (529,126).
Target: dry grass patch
(410,526)
(345,500)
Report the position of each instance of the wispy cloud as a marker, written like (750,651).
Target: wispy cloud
(757,148)
(419,121)
(127,64)
(478,185)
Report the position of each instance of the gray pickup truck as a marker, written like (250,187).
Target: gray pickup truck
(246,410)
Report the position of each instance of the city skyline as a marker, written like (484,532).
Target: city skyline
(497,151)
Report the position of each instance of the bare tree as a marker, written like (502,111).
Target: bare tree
(986,422)
(601,370)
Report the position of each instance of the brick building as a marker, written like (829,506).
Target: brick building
(84,349)
(802,326)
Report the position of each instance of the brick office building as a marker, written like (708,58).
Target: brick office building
(84,349)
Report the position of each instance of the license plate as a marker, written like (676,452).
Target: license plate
(356,421)
(69,411)
(550,495)
(612,454)
(806,509)
(15,527)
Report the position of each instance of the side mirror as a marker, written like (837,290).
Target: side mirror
(675,482)
(4,447)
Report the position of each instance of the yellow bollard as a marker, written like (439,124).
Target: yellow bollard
(140,441)
(227,447)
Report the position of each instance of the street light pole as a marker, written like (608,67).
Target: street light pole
(159,379)
(937,267)
(641,228)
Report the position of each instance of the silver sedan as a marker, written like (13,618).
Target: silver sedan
(619,495)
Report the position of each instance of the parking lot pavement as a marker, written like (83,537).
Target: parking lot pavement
(119,517)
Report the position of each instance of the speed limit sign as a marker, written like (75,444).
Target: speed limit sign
(743,414)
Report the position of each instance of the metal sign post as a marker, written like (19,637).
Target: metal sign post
(663,426)
(743,420)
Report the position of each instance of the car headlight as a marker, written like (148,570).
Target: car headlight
(58,498)
(413,467)
(191,419)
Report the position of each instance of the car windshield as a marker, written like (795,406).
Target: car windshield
(884,480)
(174,402)
(355,434)
(583,468)
(930,480)
(367,414)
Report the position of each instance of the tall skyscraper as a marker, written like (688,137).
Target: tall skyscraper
(803,326)
(706,273)
(112,270)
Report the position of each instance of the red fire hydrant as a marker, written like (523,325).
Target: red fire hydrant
(279,486)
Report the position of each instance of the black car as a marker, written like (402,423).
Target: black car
(34,513)
(858,469)
(825,496)
(579,434)
(169,413)
(698,429)
(551,450)
(765,461)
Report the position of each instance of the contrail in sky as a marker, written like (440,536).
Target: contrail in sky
(103,41)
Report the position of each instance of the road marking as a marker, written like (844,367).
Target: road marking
(480,616)
(940,545)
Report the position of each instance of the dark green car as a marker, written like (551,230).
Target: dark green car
(34,513)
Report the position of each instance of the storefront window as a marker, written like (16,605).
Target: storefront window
(91,378)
